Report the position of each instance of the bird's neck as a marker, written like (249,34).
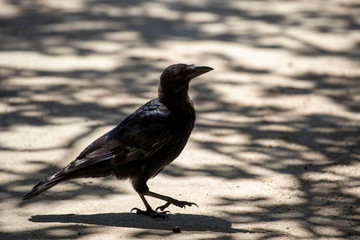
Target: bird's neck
(178,103)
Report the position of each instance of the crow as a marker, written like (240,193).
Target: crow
(141,145)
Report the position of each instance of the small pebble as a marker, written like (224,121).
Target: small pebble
(176,229)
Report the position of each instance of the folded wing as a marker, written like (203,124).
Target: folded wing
(139,136)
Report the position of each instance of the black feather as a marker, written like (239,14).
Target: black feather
(142,144)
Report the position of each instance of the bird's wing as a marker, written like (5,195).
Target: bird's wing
(137,137)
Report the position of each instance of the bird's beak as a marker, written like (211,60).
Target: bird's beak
(195,71)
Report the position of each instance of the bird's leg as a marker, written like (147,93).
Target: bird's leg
(169,201)
(149,211)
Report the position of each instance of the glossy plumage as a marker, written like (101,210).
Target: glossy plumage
(143,143)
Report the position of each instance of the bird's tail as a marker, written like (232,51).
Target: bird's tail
(45,185)
(76,169)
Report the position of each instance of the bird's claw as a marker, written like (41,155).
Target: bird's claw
(151,213)
(137,209)
(162,207)
(181,204)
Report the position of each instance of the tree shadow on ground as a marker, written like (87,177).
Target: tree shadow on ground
(325,141)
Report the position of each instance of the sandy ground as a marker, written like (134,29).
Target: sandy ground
(275,151)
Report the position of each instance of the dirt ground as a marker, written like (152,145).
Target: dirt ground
(275,150)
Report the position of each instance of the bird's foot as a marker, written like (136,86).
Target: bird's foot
(152,213)
(181,204)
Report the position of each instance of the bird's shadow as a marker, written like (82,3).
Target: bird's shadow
(187,222)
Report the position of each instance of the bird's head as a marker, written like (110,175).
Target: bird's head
(176,78)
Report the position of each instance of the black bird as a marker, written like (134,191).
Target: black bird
(143,144)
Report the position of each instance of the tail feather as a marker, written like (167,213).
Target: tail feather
(44,185)
(76,169)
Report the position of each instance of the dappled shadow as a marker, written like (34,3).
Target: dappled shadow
(72,231)
(80,63)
